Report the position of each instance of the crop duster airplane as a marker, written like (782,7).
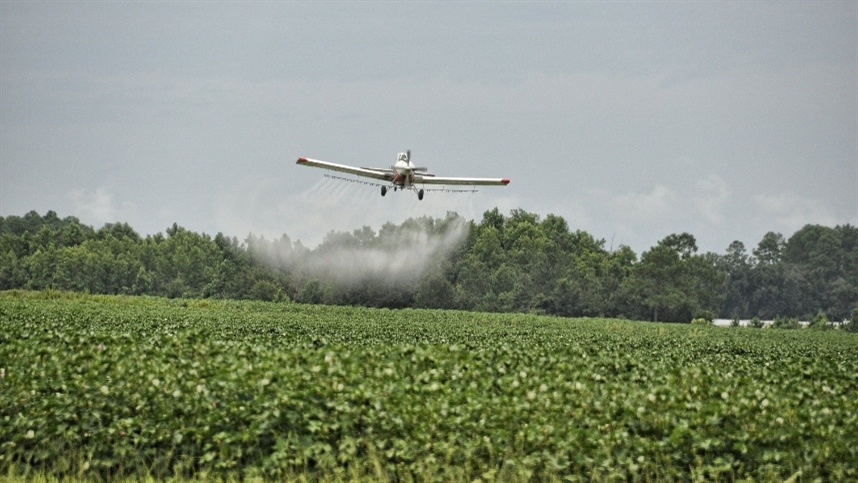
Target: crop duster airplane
(403,175)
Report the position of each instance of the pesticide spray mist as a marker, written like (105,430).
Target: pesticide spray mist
(394,258)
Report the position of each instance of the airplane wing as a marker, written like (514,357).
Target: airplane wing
(366,172)
(430,179)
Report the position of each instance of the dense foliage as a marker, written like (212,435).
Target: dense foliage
(104,387)
(514,263)
(52,253)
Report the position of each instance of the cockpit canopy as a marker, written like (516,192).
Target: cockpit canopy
(402,157)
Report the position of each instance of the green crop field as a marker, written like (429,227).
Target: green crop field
(98,387)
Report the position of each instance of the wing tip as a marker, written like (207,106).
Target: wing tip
(505,181)
(301,160)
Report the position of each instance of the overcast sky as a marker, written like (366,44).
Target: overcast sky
(630,120)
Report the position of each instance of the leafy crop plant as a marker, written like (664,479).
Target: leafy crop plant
(99,387)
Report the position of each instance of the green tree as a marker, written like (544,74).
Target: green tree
(266,290)
(768,251)
(10,270)
(783,322)
(820,256)
(737,266)
(617,294)
(657,279)
(73,233)
(435,291)
(734,322)
(672,283)
(311,292)
(184,262)
(820,322)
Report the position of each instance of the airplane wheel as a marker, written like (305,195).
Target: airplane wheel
(383,190)
(420,195)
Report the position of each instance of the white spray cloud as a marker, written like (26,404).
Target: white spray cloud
(321,223)
(396,254)
(404,256)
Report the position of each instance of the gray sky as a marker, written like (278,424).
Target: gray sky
(631,120)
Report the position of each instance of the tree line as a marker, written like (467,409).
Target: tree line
(519,262)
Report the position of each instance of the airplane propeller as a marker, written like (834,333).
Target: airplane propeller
(421,168)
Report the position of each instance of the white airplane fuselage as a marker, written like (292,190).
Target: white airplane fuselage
(403,171)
